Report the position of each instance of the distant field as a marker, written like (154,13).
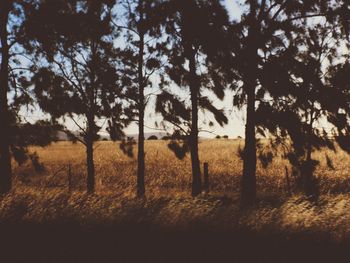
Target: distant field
(165,174)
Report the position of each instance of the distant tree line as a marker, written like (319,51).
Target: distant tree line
(95,61)
(221,137)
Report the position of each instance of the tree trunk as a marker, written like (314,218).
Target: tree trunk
(90,156)
(141,103)
(90,115)
(5,156)
(194,89)
(248,193)
(307,172)
(310,184)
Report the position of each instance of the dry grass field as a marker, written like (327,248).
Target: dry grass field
(165,174)
(169,225)
(44,196)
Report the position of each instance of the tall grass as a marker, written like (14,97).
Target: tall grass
(44,197)
(165,174)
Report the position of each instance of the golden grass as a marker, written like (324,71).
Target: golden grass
(115,172)
(165,174)
(44,197)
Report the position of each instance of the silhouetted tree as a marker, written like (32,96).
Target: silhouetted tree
(140,58)
(298,111)
(24,134)
(312,99)
(266,28)
(195,32)
(5,160)
(338,79)
(340,115)
(14,71)
(77,76)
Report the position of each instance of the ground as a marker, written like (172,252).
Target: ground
(42,221)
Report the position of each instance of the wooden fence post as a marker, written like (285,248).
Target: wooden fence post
(206,177)
(69,178)
(289,191)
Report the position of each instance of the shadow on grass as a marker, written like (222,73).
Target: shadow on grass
(57,242)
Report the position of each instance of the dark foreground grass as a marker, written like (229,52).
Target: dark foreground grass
(40,221)
(55,226)
(149,243)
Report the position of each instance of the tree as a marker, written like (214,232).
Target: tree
(77,76)
(312,100)
(338,79)
(13,78)
(5,160)
(298,112)
(340,116)
(266,28)
(152,138)
(24,134)
(140,57)
(193,47)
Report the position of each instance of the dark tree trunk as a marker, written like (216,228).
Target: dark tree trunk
(5,156)
(309,134)
(310,184)
(91,125)
(194,88)
(90,166)
(248,193)
(90,156)
(141,103)
(307,172)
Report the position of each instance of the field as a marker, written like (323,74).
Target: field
(279,224)
(165,174)
(168,181)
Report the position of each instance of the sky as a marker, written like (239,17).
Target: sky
(236,117)
(233,129)
(235,126)
(233,8)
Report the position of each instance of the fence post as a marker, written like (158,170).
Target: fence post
(289,191)
(69,178)
(206,177)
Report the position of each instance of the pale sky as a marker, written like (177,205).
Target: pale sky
(235,126)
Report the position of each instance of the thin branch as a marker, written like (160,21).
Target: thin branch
(279,10)
(77,124)
(126,28)
(76,137)
(306,16)
(69,79)
(152,128)
(261,12)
